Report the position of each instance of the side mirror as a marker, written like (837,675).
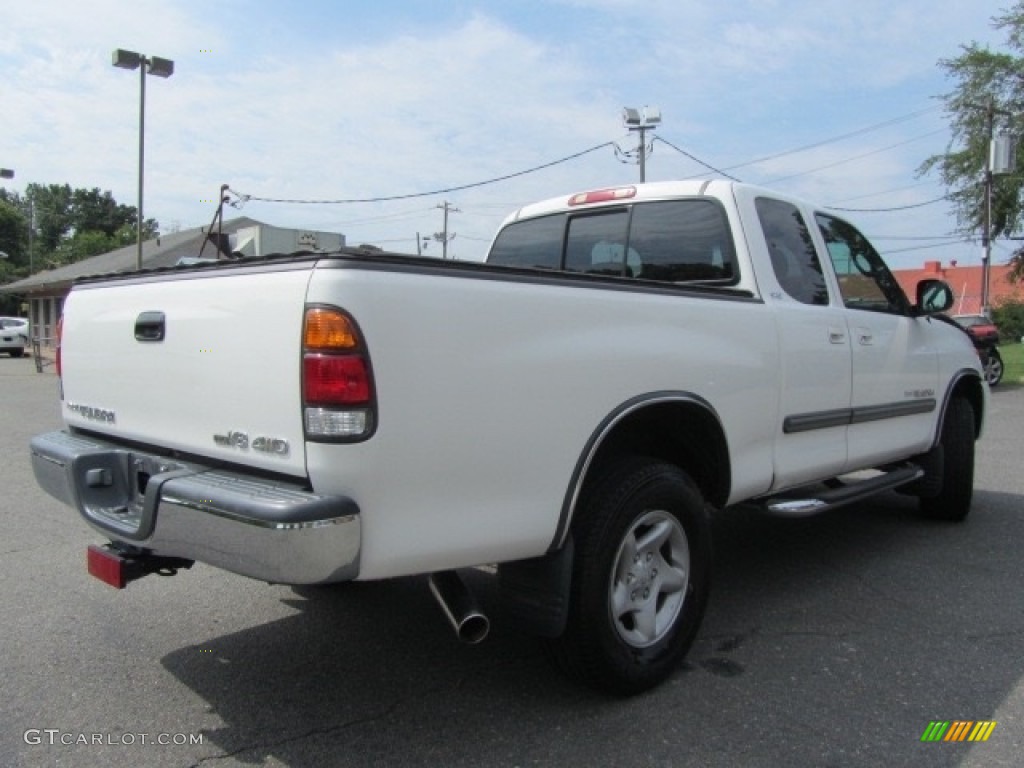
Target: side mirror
(933,296)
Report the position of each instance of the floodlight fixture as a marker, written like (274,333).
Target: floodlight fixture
(161,67)
(127,59)
(641,120)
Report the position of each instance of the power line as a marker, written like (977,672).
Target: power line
(873,238)
(855,157)
(387,198)
(834,139)
(920,247)
(884,192)
(383,217)
(888,210)
(695,159)
(244,197)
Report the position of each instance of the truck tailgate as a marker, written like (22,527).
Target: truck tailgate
(204,362)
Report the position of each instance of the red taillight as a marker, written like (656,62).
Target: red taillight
(337,383)
(336,380)
(60,334)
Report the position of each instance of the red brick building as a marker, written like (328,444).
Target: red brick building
(966,284)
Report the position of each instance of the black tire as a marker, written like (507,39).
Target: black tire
(953,502)
(17,352)
(993,367)
(644,525)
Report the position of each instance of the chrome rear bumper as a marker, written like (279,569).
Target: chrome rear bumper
(266,529)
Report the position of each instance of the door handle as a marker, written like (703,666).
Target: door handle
(836,336)
(150,326)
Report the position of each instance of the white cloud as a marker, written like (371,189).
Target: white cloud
(322,102)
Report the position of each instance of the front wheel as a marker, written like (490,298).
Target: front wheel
(641,578)
(993,367)
(953,501)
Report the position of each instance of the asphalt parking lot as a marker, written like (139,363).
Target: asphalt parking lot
(830,641)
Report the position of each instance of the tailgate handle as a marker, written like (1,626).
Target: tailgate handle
(149,326)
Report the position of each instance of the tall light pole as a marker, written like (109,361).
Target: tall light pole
(641,121)
(153,65)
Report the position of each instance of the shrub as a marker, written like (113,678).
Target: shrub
(1009,317)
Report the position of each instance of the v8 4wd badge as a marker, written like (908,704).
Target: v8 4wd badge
(240,441)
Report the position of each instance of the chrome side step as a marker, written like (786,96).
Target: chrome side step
(793,505)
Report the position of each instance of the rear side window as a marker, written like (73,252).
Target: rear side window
(794,257)
(683,241)
(597,244)
(530,243)
(674,241)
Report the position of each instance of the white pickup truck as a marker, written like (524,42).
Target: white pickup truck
(626,363)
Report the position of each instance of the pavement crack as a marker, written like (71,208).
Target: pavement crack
(270,745)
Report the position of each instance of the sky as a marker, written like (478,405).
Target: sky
(830,100)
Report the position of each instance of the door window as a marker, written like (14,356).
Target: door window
(793,255)
(865,282)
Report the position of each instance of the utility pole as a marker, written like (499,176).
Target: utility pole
(31,235)
(986,236)
(641,121)
(443,237)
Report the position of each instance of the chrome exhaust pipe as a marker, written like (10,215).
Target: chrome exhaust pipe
(457,602)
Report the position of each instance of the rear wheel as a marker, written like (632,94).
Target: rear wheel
(640,578)
(953,502)
(17,352)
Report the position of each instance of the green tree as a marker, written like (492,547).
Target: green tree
(95,211)
(82,245)
(67,225)
(13,236)
(987,97)
(51,207)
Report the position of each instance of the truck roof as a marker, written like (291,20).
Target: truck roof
(655,190)
(613,195)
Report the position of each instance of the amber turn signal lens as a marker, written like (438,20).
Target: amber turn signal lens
(328,329)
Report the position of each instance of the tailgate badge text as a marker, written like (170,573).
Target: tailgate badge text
(240,441)
(92,413)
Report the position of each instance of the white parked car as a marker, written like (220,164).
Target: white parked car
(13,335)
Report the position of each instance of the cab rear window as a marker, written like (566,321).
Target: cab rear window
(674,241)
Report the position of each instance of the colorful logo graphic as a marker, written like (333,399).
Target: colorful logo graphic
(958,730)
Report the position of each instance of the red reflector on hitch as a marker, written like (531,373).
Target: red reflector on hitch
(117,568)
(106,566)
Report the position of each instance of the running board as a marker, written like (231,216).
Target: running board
(830,498)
